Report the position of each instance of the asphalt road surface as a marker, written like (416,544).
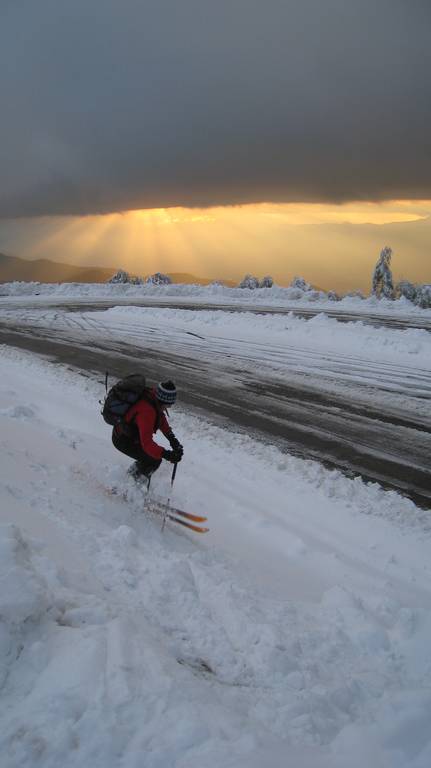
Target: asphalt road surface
(359,427)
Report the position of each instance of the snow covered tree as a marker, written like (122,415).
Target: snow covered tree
(417,294)
(301,284)
(123,277)
(406,289)
(159,279)
(332,296)
(120,277)
(266,282)
(382,278)
(423,296)
(249,282)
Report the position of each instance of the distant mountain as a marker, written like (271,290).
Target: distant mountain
(46,271)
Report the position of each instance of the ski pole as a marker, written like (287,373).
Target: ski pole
(174,472)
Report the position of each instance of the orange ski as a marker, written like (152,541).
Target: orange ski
(196,528)
(188,515)
(158,506)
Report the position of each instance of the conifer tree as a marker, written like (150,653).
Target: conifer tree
(382,277)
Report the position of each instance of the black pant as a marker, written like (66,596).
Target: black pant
(145,464)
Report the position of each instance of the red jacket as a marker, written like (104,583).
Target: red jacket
(149,419)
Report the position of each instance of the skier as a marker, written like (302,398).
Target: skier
(134,436)
(382,277)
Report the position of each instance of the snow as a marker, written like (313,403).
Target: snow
(297,632)
(320,332)
(277,297)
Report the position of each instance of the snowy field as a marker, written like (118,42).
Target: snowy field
(297,633)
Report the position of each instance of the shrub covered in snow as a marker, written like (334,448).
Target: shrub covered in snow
(423,296)
(266,282)
(301,284)
(355,295)
(417,294)
(249,282)
(159,279)
(120,277)
(123,277)
(406,289)
(332,296)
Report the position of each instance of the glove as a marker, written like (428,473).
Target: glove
(173,456)
(173,441)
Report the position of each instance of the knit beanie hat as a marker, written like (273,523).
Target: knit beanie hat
(166,392)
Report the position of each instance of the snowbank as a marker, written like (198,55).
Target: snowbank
(276,296)
(409,346)
(296,633)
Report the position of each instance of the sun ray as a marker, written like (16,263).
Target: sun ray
(227,242)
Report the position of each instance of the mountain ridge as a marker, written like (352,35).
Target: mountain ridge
(47,271)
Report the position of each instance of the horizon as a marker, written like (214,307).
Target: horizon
(334,247)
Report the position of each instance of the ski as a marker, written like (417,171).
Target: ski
(186,524)
(158,506)
(188,515)
(168,512)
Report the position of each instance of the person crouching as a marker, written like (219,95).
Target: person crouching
(134,436)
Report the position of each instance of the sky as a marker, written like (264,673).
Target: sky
(331,246)
(123,122)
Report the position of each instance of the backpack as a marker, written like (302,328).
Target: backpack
(122,396)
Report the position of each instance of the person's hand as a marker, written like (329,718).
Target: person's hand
(173,456)
(179,452)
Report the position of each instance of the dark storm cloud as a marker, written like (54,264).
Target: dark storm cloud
(114,105)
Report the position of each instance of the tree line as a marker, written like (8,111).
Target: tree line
(382,284)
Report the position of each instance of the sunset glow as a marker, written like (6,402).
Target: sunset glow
(225,242)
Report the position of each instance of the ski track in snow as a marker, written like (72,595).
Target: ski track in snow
(296,632)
